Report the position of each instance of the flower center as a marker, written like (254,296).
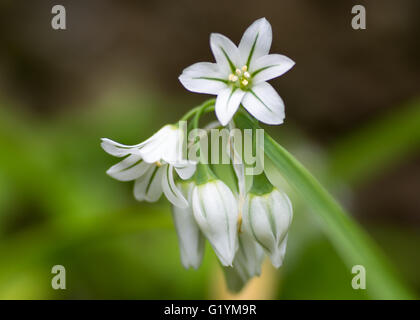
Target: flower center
(241,78)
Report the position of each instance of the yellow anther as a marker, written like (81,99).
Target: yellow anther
(247,75)
(158,163)
(234,78)
(244,68)
(238,72)
(244,82)
(231,76)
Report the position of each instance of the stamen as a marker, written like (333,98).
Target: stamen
(241,77)
(239,221)
(158,163)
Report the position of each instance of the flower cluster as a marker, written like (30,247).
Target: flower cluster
(241,222)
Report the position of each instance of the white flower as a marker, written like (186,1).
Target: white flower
(151,165)
(190,238)
(216,212)
(247,262)
(240,74)
(267,218)
(166,145)
(249,257)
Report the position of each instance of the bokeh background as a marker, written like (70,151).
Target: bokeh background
(353,118)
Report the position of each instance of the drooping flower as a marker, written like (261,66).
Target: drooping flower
(267,216)
(165,144)
(216,212)
(249,257)
(190,238)
(151,164)
(240,74)
(247,262)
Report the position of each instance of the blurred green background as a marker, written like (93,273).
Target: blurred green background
(353,118)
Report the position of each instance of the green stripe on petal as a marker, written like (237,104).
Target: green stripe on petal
(151,179)
(264,103)
(262,69)
(231,64)
(248,61)
(259,99)
(212,79)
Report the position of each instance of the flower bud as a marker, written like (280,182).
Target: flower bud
(190,238)
(247,262)
(267,217)
(216,212)
(249,257)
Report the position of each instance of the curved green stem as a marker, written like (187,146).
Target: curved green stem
(205,107)
(194,110)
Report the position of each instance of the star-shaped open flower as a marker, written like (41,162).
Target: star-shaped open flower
(240,74)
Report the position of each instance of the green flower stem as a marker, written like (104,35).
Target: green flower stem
(351,242)
(205,107)
(193,111)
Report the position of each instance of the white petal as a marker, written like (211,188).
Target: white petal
(247,263)
(117,149)
(256,41)
(203,77)
(264,103)
(169,147)
(170,190)
(149,186)
(185,170)
(257,221)
(173,152)
(131,168)
(227,103)
(164,145)
(216,212)
(190,238)
(152,153)
(152,148)
(267,218)
(270,66)
(277,256)
(249,257)
(225,52)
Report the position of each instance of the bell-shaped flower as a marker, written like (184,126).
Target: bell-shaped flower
(216,212)
(151,163)
(191,240)
(267,216)
(240,74)
(249,257)
(165,145)
(247,262)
